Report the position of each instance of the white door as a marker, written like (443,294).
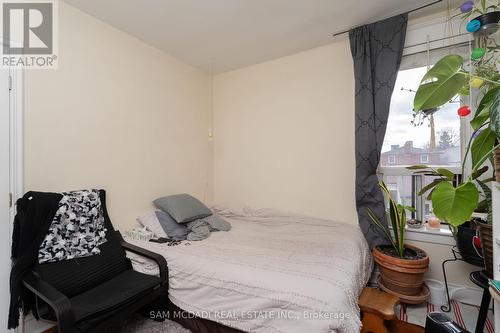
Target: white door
(5,218)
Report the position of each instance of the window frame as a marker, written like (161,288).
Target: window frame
(426,157)
(391,159)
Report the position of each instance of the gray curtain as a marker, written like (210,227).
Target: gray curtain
(376,50)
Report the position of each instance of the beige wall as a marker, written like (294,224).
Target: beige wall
(117,114)
(457,272)
(284,134)
(284,138)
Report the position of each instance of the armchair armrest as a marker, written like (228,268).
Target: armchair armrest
(159,259)
(54,298)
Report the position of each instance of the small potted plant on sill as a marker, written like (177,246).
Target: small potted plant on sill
(402,266)
(454,201)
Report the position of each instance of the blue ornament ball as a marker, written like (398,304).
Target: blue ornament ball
(473,26)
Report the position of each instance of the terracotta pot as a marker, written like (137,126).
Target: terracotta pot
(497,163)
(402,276)
(486,235)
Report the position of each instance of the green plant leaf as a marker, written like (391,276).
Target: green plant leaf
(479,172)
(427,173)
(482,145)
(409,208)
(486,100)
(455,205)
(430,185)
(417,167)
(429,196)
(487,197)
(393,212)
(379,224)
(443,81)
(480,119)
(447,173)
(482,113)
(495,114)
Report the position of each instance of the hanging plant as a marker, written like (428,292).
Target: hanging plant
(452,201)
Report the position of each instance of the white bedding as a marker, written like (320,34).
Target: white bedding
(271,273)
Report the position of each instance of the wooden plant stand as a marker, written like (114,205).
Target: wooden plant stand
(377,312)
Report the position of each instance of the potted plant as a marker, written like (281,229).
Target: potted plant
(402,267)
(453,201)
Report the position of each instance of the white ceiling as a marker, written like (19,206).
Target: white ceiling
(230,34)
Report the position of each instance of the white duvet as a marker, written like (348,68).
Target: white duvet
(271,273)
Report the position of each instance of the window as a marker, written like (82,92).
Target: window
(433,140)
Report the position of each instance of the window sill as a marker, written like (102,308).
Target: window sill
(442,236)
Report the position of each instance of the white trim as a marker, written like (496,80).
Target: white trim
(442,236)
(16,137)
(16,150)
(496,247)
(435,236)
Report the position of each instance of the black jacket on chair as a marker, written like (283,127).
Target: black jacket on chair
(35,211)
(96,293)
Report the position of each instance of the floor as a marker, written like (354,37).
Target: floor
(139,324)
(465,315)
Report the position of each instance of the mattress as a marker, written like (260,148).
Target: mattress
(273,272)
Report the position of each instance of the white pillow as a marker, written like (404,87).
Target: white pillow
(150,221)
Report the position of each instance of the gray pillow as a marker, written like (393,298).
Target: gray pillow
(173,229)
(216,223)
(182,207)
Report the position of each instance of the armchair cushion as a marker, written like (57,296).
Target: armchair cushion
(119,290)
(73,277)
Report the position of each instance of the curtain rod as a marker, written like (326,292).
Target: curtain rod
(439,39)
(408,12)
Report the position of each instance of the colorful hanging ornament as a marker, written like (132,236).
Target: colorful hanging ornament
(478,53)
(477,242)
(473,26)
(464,111)
(467,6)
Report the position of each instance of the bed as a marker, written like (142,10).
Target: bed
(272,273)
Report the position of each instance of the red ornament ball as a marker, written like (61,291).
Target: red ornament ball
(477,242)
(464,111)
